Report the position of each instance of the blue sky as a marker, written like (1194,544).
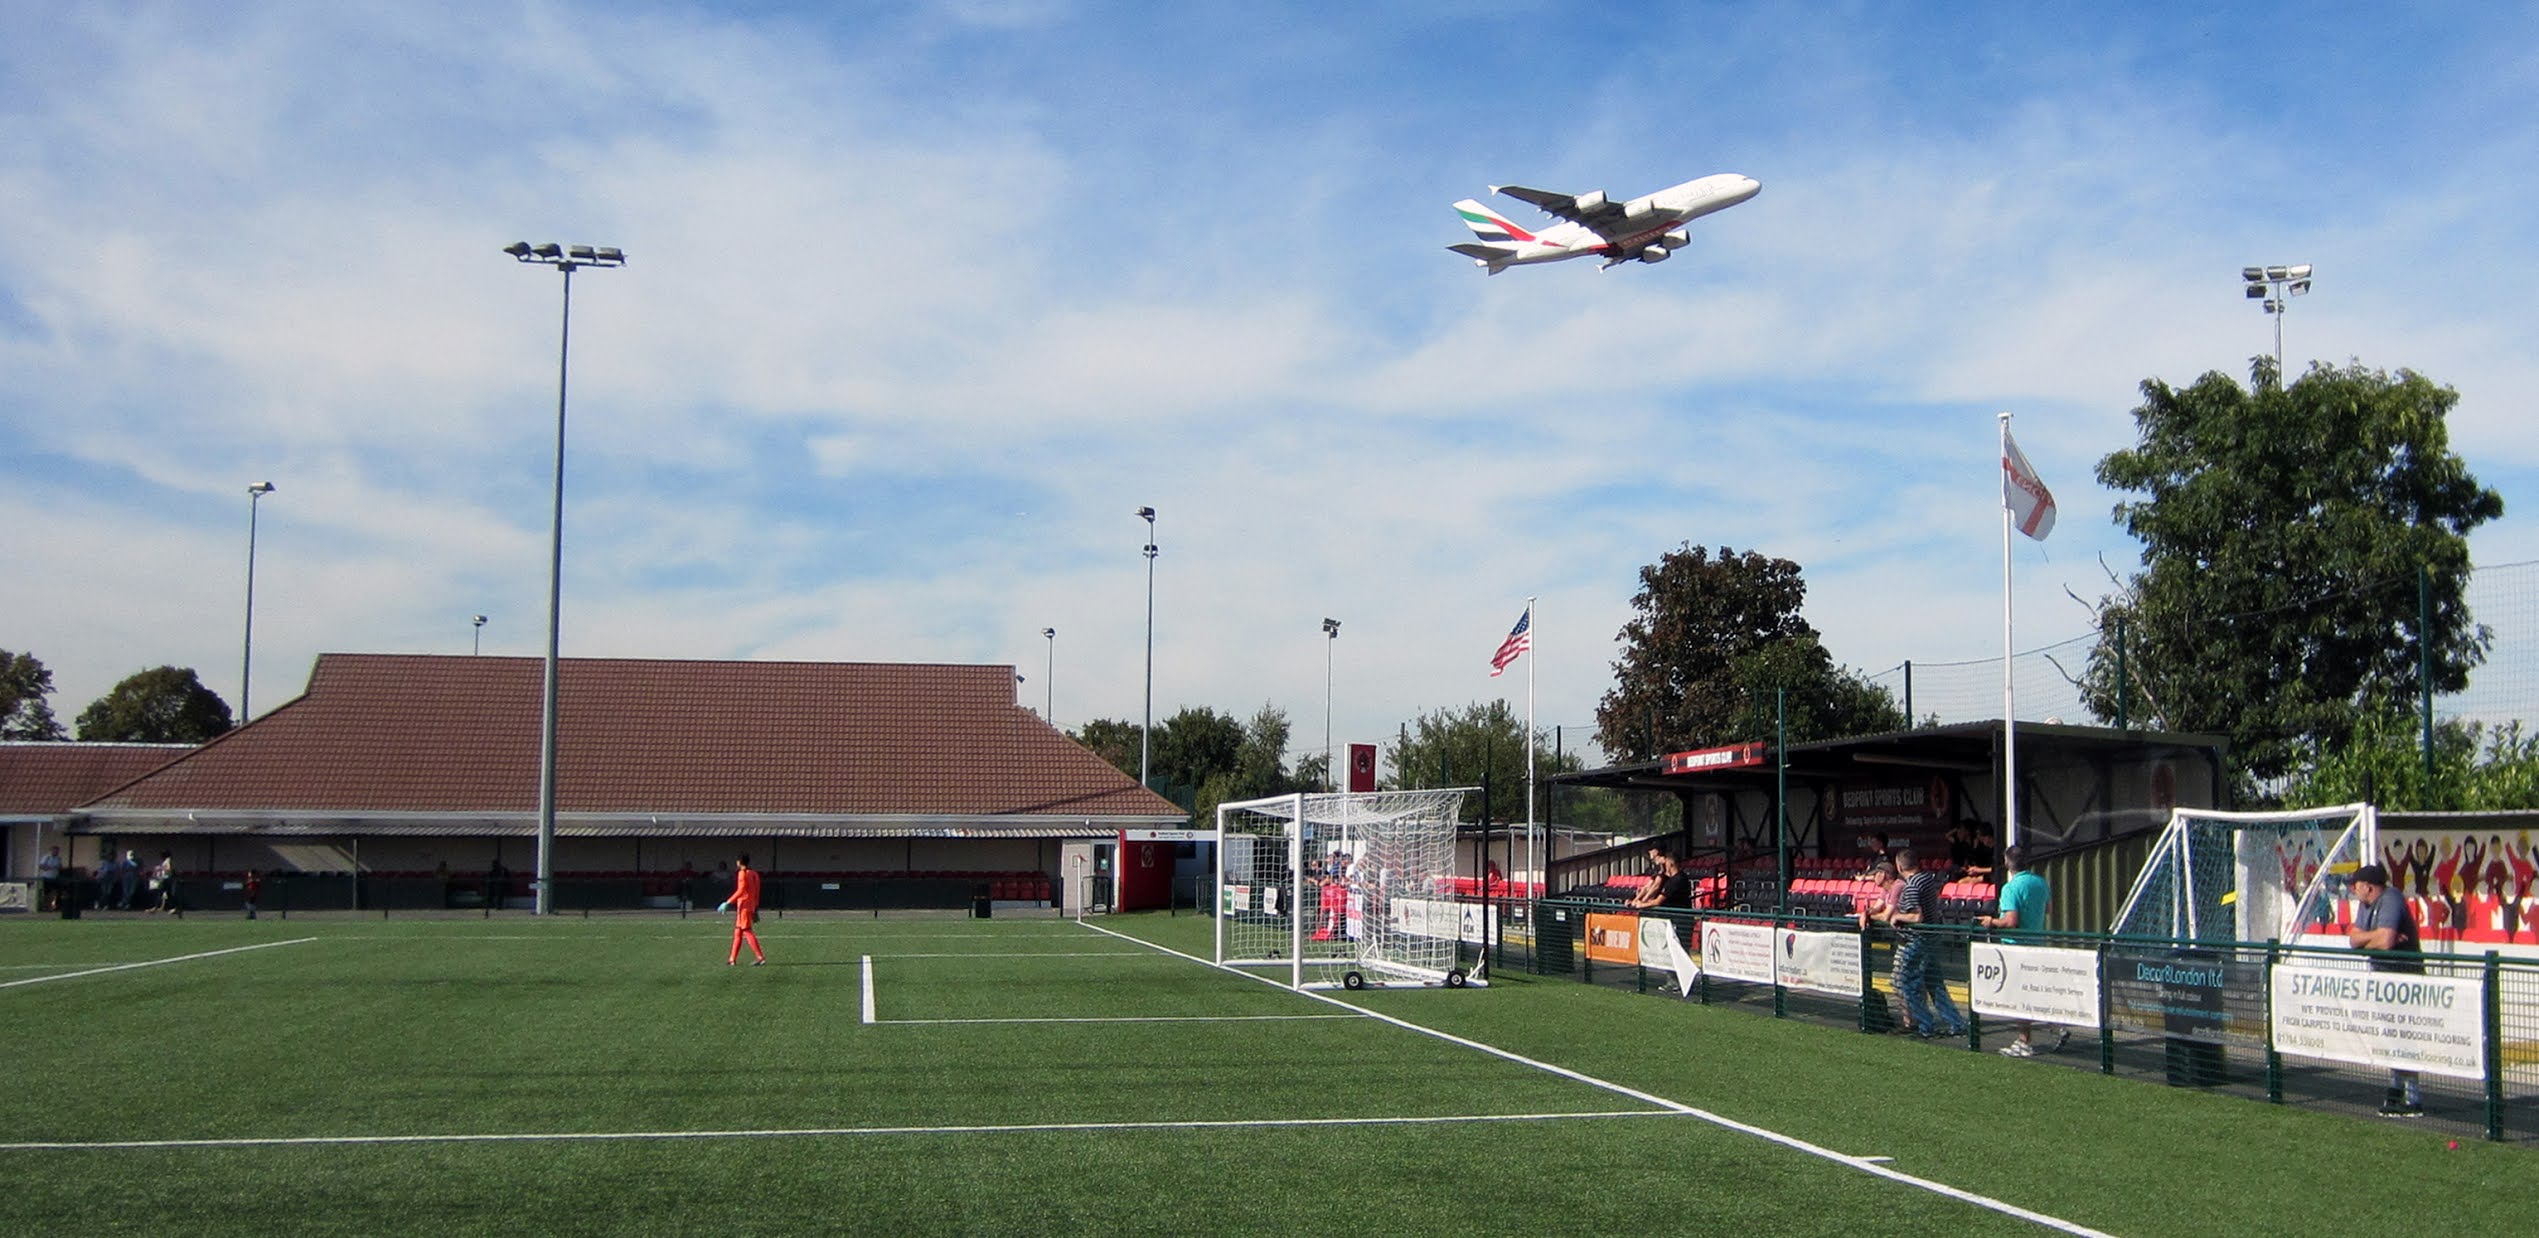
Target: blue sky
(923,299)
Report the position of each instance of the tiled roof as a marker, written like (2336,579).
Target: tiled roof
(47,779)
(384,733)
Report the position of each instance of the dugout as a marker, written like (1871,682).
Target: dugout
(2090,801)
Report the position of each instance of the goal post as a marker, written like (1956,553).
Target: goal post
(1342,890)
(2246,876)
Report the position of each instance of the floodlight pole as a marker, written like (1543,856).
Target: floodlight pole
(479,646)
(1146,730)
(1331,637)
(564,259)
(247,654)
(1048,680)
(2276,286)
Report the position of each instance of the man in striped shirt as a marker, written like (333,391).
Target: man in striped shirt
(1917,980)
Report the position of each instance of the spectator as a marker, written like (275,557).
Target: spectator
(248,888)
(1961,852)
(1880,852)
(1878,906)
(2385,928)
(1673,888)
(49,871)
(1983,861)
(127,880)
(2024,899)
(163,883)
(1926,1000)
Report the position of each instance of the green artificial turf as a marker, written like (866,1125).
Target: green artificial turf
(613,1076)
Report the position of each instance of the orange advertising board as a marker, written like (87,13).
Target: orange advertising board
(1613,937)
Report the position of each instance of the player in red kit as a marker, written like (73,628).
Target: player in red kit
(743,904)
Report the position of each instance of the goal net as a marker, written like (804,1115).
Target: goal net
(2246,876)
(1342,890)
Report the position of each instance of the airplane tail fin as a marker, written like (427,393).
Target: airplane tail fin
(1488,224)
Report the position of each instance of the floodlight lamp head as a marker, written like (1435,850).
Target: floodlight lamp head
(582,253)
(2278,273)
(2296,288)
(549,251)
(2254,275)
(1331,628)
(2301,271)
(2255,291)
(518,249)
(480,621)
(260,489)
(1051,633)
(1147,513)
(610,255)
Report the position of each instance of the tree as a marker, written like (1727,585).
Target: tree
(1457,748)
(24,713)
(1193,744)
(164,705)
(1113,741)
(1710,641)
(2283,532)
(2475,769)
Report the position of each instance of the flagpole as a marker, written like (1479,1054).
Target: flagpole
(1532,843)
(2009,712)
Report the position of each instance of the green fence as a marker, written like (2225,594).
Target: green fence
(2284,1024)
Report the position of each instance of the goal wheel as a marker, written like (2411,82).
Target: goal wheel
(1353,981)
(1454,979)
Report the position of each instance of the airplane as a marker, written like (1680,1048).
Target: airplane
(1648,229)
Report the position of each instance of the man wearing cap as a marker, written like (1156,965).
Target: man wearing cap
(2385,928)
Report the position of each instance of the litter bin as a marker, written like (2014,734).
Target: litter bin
(981,907)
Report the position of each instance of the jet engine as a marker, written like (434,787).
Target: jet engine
(1592,201)
(1676,239)
(1656,253)
(1641,207)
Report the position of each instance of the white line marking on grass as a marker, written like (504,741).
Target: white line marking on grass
(1870,1165)
(868,988)
(182,958)
(1159,1018)
(820,1132)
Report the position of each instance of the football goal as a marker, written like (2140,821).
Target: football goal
(1342,890)
(2246,876)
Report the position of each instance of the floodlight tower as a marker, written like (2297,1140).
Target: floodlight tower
(566,259)
(1146,731)
(247,654)
(1331,637)
(2276,286)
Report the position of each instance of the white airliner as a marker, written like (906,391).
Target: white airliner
(1647,228)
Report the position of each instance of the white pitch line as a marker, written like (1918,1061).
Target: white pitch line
(1160,1018)
(1024,1128)
(868,988)
(1870,1165)
(182,958)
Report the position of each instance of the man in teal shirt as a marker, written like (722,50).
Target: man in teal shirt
(2024,899)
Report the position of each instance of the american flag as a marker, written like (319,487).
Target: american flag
(1520,638)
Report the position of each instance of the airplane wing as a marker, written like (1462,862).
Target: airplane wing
(1592,209)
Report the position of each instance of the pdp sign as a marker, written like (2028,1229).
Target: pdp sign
(2037,984)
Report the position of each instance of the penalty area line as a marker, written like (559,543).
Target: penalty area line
(1875,1165)
(818,1132)
(182,958)
(872,1019)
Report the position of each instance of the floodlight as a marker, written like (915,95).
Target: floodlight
(610,253)
(2252,274)
(2298,272)
(581,253)
(2298,287)
(2255,291)
(549,251)
(518,249)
